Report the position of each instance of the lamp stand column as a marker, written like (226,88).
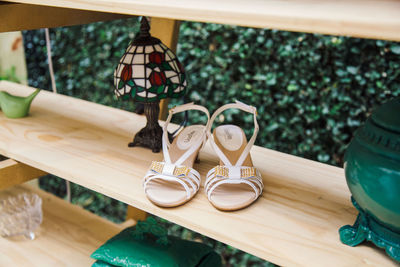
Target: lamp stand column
(150,136)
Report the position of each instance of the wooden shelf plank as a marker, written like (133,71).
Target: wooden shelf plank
(378,19)
(17,17)
(67,236)
(14,173)
(294,223)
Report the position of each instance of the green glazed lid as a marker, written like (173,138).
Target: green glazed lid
(388,115)
(381,132)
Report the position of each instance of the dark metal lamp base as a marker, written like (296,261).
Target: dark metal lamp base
(149,137)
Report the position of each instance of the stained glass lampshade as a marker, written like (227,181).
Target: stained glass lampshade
(148,72)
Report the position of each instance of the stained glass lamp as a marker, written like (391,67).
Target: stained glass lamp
(148,72)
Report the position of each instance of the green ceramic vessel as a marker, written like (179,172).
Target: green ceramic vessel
(16,106)
(372,167)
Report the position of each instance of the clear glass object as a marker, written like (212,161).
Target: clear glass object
(20,214)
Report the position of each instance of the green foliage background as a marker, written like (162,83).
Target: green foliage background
(311,91)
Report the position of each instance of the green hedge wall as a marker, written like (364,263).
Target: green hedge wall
(312,91)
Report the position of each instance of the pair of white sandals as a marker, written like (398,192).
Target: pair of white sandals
(232,185)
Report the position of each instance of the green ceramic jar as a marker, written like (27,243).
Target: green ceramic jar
(372,167)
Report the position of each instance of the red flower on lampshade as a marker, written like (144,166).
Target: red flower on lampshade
(126,73)
(157,78)
(156,57)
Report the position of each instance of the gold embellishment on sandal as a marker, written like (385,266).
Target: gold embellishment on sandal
(178,171)
(223,172)
(248,172)
(181,171)
(157,166)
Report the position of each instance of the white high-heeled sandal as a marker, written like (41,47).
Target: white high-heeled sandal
(235,183)
(173,182)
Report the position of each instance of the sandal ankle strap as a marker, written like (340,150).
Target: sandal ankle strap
(241,106)
(165,141)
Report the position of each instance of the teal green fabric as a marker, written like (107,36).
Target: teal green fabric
(102,264)
(126,250)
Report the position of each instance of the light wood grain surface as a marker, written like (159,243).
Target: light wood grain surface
(294,223)
(67,236)
(16,17)
(12,53)
(14,173)
(378,19)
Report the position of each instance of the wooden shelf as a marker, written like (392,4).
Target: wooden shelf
(14,173)
(294,223)
(67,236)
(17,17)
(378,19)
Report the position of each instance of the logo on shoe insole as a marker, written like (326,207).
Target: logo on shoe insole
(189,137)
(230,137)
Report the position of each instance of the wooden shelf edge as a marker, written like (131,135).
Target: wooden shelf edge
(294,223)
(14,173)
(66,237)
(17,17)
(376,19)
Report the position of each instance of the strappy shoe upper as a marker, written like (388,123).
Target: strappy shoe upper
(233,173)
(175,171)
